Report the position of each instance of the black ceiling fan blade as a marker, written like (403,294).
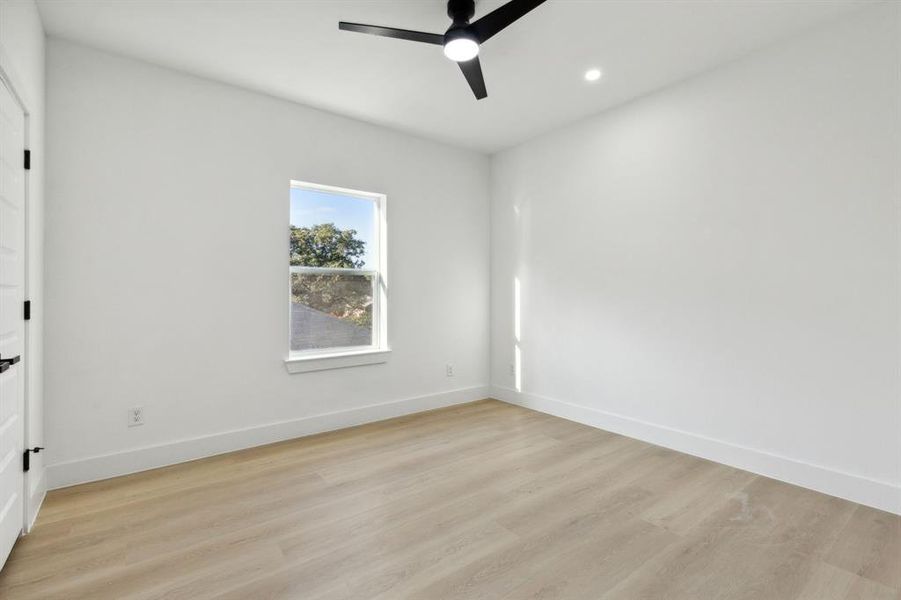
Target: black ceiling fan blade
(500,18)
(391,32)
(472,71)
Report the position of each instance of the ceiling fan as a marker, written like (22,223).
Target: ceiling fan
(462,40)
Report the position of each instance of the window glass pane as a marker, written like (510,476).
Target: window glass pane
(331,310)
(334,258)
(332,230)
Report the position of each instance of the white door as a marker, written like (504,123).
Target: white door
(12,324)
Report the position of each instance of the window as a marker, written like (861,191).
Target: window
(337,277)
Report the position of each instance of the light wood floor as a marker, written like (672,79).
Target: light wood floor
(483,500)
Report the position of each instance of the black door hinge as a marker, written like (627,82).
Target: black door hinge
(26,310)
(26,457)
(27,160)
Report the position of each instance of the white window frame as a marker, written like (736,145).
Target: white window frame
(348,356)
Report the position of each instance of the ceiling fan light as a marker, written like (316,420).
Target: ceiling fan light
(461,49)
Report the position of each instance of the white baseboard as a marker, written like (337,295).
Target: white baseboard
(36,500)
(878,494)
(141,459)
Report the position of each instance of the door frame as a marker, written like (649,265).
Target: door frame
(8,79)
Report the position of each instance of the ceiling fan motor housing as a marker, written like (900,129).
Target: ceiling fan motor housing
(461,11)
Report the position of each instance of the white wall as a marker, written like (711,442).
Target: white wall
(167,212)
(22,59)
(715,267)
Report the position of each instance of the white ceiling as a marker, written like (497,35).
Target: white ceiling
(294,50)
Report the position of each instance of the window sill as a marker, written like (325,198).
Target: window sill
(337,360)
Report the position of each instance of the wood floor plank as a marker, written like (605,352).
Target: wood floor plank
(484,500)
(832,583)
(870,546)
(762,545)
(596,562)
(686,506)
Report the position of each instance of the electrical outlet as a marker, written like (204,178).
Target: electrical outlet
(449,369)
(512,369)
(135,416)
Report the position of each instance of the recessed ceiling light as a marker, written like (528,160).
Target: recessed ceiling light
(592,74)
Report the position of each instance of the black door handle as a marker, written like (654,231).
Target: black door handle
(5,363)
(26,457)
